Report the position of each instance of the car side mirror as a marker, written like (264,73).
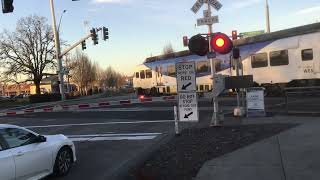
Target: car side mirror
(41,139)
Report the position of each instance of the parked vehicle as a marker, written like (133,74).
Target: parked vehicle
(25,154)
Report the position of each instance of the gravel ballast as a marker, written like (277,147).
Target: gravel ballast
(183,156)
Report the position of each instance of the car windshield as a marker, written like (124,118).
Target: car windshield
(159,89)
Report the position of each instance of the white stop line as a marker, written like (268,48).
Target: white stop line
(113,137)
(94,124)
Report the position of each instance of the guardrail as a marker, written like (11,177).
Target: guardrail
(304,100)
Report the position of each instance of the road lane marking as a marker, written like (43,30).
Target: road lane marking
(137,109)
(116,138)
(113,134)
(105,123)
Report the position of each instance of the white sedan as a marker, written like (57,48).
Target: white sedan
(26,155)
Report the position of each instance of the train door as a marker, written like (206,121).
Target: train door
(159,79)
(316,60)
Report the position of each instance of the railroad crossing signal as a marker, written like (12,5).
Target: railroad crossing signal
(221,43)
(84,45)
(234,35)
(185,41)
(199,45)
(105,33)
(7,6)
(94,36)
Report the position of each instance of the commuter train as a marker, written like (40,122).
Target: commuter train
(276,60)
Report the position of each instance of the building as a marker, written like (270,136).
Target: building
(14,89)
(47,85)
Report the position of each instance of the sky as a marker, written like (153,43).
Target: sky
(141,28)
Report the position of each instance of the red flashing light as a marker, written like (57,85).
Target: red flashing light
(234,35)
(185,41)
(221,43)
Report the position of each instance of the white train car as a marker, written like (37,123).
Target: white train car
(284,58)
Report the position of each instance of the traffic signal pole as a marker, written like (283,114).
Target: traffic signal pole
(75,44)
(58,52)
(214,120)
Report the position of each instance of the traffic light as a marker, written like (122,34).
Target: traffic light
(234,35)
(198,45)
(221,43)
(185,41)
(94,36)
(7,6)
(84,45)
(105,33)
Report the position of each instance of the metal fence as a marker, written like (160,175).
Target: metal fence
(303,100)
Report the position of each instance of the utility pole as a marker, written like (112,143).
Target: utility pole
(267,17)
(58,51)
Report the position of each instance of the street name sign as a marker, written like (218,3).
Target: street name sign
(186,77)
(188,106)
(207,21)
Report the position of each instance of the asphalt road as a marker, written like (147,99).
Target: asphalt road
(107,139)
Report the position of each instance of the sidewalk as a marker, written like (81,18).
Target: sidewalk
(291,155)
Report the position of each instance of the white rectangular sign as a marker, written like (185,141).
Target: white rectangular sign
(186,76)
(188,107)
(195,8)
(207,21)
(255,99)
(206,14)
(215,4)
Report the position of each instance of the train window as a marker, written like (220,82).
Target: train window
(163,71)
(307,55)
(279,58)
(201,87)
(197,88)
(142,74)
(171,70)
(259,60)
(137,74)
(148,74)
(203,66)
(218,65)
(206,87)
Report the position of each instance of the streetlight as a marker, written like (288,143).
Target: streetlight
(64,11)
(58,50)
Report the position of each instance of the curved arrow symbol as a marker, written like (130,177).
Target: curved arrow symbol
(184,87)
(187,115)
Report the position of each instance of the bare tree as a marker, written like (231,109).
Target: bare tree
(82,71)
(29,50)
(167,49)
